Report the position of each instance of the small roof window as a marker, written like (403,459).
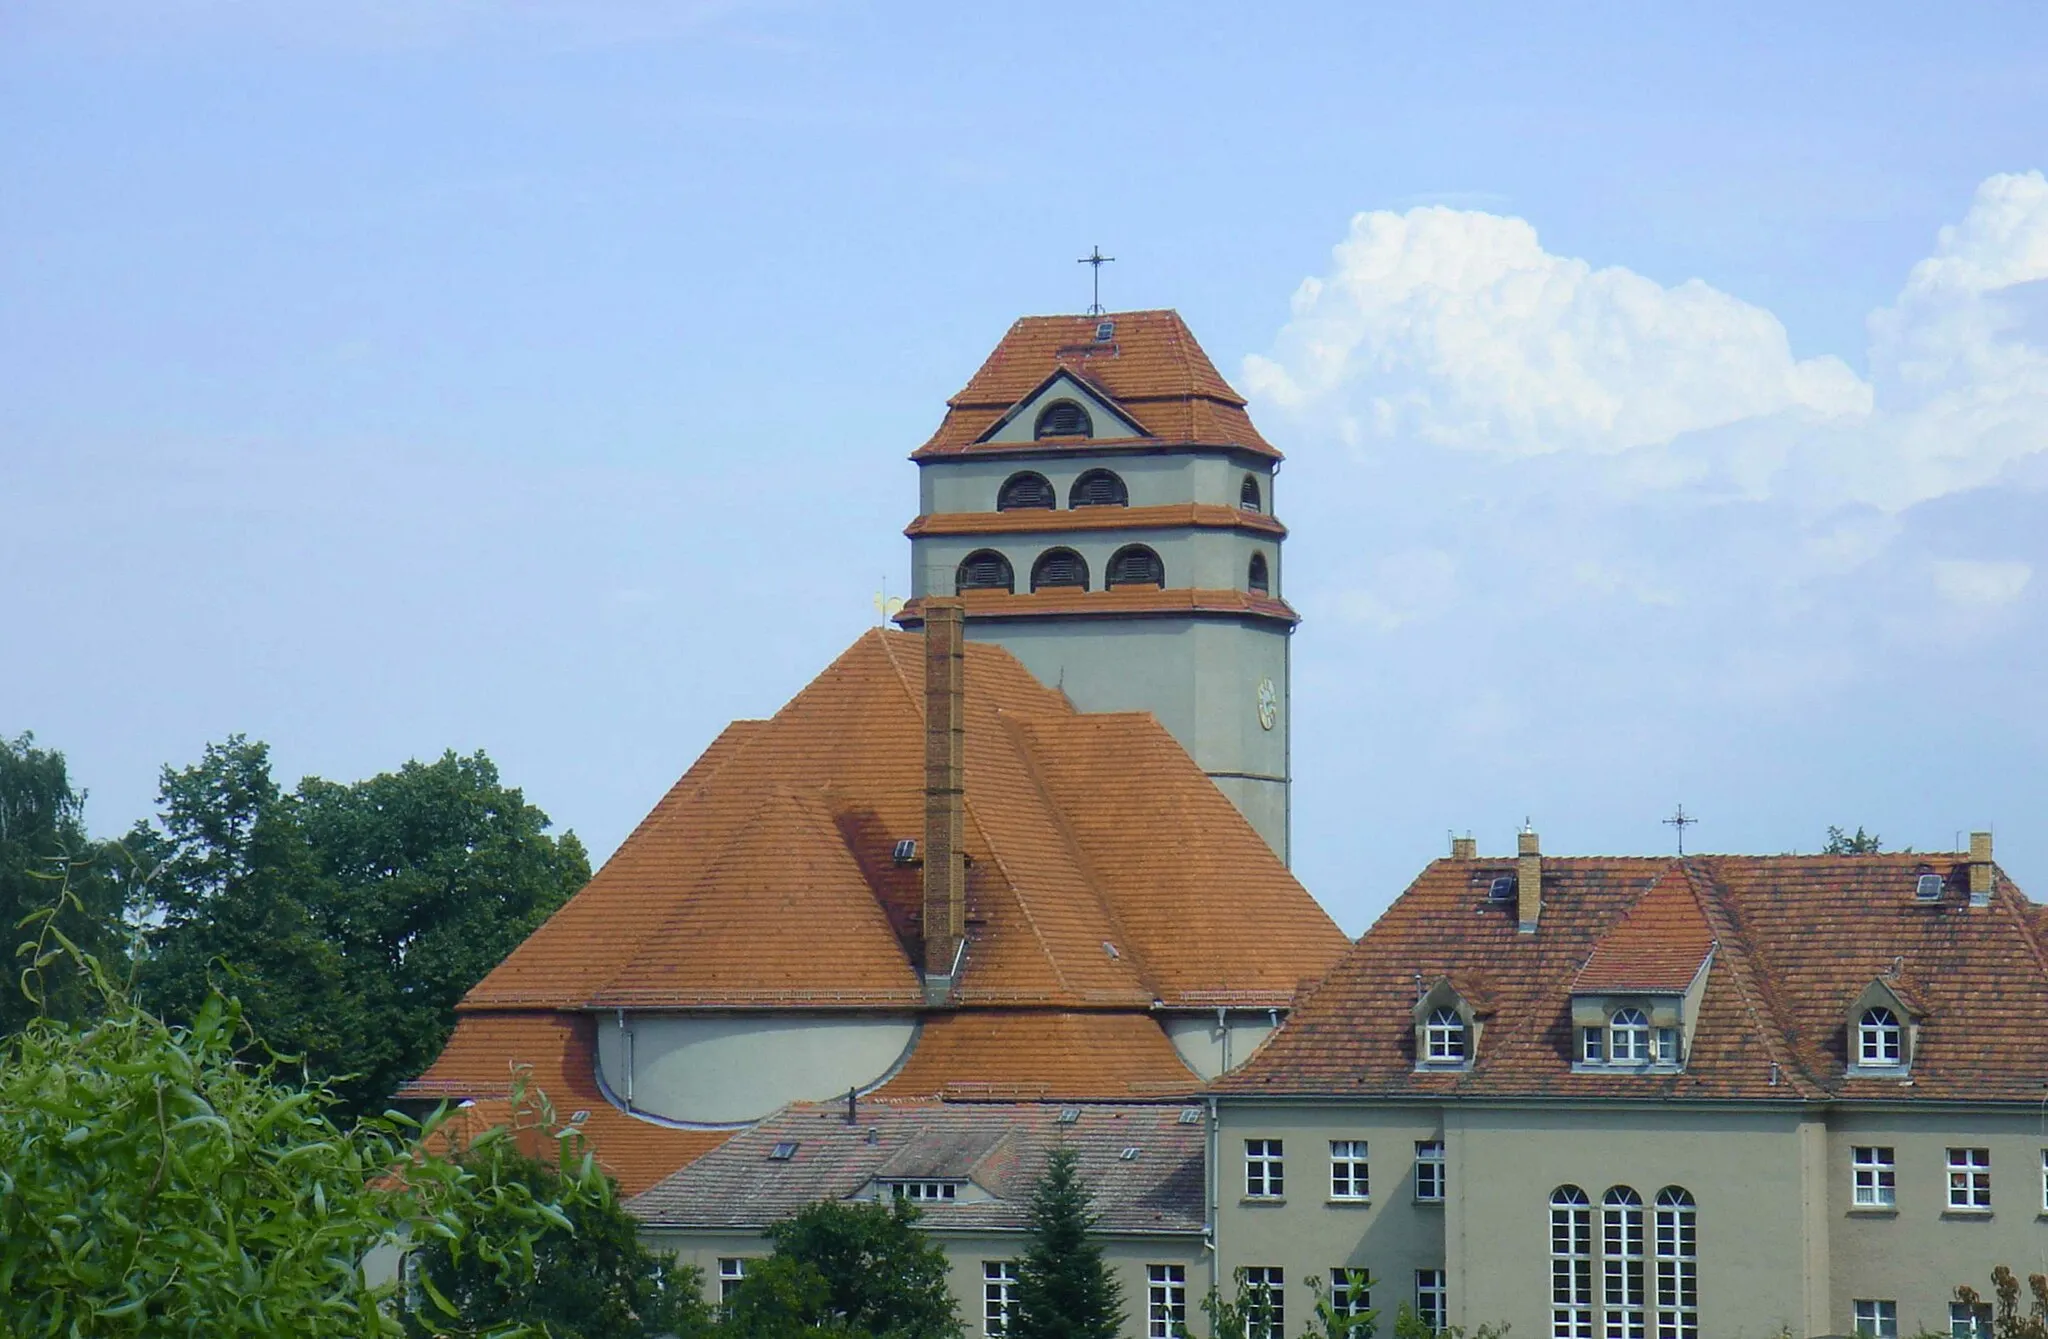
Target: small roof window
(1927,888)
(783,1151)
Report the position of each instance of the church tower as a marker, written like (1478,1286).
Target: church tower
(1099,499)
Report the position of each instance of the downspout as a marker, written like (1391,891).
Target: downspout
(1223,1028)
(626,1056)
(1211,1196)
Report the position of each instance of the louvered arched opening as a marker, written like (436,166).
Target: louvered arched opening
(1026,491)
(1257,581)
(984,569)
(1098,488)
(1136,565)
(1058,569)
(1249,498)
(1063,418)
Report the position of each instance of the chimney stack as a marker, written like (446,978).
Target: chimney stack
(1980,869)
(1528,878)
(1464,848)
(945,794)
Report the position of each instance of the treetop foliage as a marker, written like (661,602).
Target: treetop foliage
(841,1268)
(1857,843)
(42,833)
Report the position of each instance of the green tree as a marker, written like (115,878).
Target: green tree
(153,1182)
(42,832)
(1858,843)
(349,918)
(2008,1321)
(590,1278)
(1328,1321)
(1064,1288)
(841,1268)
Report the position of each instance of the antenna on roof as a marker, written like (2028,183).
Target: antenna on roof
(1098,260)
(1681,820)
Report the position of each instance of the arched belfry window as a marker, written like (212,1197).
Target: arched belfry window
(1135,565)
(1248,495)
(1256,580)
(1098,488)
(1063,418)
(984,569)
(1026,491)
(1059,568)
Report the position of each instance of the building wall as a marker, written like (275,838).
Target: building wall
(726,1068)
(1194,559)
(957,484)
(1210,1047)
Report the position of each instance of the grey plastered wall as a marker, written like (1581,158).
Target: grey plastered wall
(960,484)
(724,1068)
(1197,559)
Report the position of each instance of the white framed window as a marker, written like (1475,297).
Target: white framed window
(1432,1300)
(1877,1318)
(1166,1301)
(1678,1265)
(1667,1045)
(1593,1045)
(1571,1264)
(1264,1169)
(1969,1178)
(732,1271)
(1969,1322)
(2044,1180)
(1877,1182)
(998,1294)
(1628,1037)
(1444,1037)
(1621,1249)
(924,1191)
(1879,1038)
(1350,1177)
(1429,1170)
(1267,1289)
(1350,1291)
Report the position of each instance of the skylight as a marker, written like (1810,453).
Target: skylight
(783,1151)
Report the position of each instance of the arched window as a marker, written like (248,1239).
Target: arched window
(1059,568)
(1256,580)
(1878,1039)
(1571,1264)
(1098,488)
(1135,565)
(1444,1037)
(1026,492)
(1628,1037)
(984,569)
(1063,418)
(1248,496)
(1678,1265)
(1621,1250)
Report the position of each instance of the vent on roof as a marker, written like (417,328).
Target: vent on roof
(783,1151)
(1105,331)
(905,851)
(1068,1115)
(1502,889)
(1927,888)
(1190,1115)
(578,1117)
(1128,1155)
(1110,949)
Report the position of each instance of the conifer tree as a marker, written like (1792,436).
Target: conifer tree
(1064,1289)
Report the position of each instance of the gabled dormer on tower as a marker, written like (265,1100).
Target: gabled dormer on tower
(1099,499)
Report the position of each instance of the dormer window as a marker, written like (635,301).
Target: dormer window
(1447,1025)
(1879,1038)
(1063,418)
(925,1192)
(1635,1037)
(1444,1037)
(1628,1037)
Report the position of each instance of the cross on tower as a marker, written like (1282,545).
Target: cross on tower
(1098,260)
(1681,820)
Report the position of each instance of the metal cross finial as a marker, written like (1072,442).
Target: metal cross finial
(1681,820)
(1098,260)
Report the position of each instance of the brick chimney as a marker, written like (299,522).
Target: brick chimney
(1464,848)
(1528,879)
(1980,869)
(945,794)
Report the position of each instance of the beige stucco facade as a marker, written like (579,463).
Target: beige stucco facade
(1781,1243)
(726,1068)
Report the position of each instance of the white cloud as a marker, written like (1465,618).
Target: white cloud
(1980,584)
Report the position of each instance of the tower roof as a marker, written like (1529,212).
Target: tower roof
(1149,367)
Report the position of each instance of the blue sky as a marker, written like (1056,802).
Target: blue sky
(1665,394)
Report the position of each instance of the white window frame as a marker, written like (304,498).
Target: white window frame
(1969,1180)
(1273,1279)
(1350,1291)
(1432,1299)
(924,1192)
(1969,1322)
(1571,1264)
(1265,1169)
(1445,1038)
(1432,1172)
(1677,1248)
(2044,1180)
(1623,1267)
(998,1295)
(1166,1301)
(1880,1040)
(1876,1176)
(1876,1318)
(1667,1046)
(732,1271)
(1593,1045)
(1350,1170)
(1628,1037)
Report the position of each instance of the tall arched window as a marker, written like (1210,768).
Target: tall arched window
(1059,568)
(1621,1250)
(1063,418)
(1444,1037)
(1098,488)
(1878,1038)
(984,569)
(1026,491)
(1628,1037)
(1256,580)
(1135,565)
(1248,495)
(1571,1264)
(1678,1265)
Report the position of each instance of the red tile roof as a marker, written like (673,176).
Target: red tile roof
(1188,515)
(1152,368)
(1798,938)
(1658,945)
(1041,1055)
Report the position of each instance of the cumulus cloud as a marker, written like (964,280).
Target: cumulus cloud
(1980,583)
